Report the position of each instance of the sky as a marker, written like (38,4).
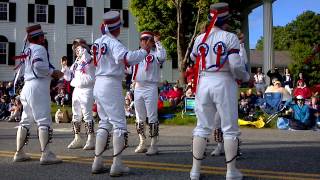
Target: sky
(284,11)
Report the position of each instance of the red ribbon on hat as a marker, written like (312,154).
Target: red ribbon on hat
(202,51)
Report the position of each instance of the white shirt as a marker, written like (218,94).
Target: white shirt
(228,42)
(37,64)
(259,78)
(111,55)
(83,71)
(150,72)
(66,73)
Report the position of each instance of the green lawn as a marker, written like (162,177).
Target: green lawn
(176,112)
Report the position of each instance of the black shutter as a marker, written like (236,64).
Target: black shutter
(125,16)
(12,52)
(30,12)
(41,2)
(51,14)
(116,4)
(79,3)
(12,12)
(106,10)
(89,15)
(70,15)
(69,54)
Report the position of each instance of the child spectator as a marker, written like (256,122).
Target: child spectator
(129,108)
(302,90)
(16,111)
(61,98)
(243,104)
(189,92)
(259,100)
(174,96)
(4,108)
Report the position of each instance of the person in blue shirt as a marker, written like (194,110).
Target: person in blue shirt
(301,114)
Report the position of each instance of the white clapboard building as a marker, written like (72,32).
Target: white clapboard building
(63,21)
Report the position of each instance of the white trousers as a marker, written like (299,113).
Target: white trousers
(35,98)
(82,102)
(146,102)
(110,102)
(216,93)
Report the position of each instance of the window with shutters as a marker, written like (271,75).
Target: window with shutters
(4,12)
(3,52)
(41,13)
(79,15)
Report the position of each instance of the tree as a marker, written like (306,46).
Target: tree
(176,20)
(300,37)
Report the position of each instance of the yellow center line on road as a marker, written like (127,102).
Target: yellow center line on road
(186,168)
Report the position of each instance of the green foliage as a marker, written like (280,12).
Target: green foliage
(299,37)
(161,16)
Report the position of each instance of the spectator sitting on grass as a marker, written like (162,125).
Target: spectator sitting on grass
(276,87)
(165,86)
(61,98)
(259,100)
(10,89)
(189,92)
(16,111)
(302,90)
(301,114)
(129,108)
(174,96)
(243,104)
(4,108)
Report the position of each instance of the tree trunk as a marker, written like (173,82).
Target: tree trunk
(192,39)
(180,41)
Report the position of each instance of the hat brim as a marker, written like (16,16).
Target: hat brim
(38,34)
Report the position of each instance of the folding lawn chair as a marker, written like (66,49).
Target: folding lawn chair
(272,105)
(189,105)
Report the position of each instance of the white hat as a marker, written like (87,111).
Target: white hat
(146,34)
(299,97)
(222,9)
(112,20)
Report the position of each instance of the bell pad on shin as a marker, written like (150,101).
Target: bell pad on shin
(89,126)
(154,129)
(140,128)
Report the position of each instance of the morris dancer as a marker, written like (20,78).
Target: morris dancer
(82,98)
(147,76)
(35,97)
(111,56)
(218,64)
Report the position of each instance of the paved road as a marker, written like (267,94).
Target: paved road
(268,154)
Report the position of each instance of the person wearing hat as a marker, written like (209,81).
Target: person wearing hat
(110,57)
(301,114)
(82,98)
(218,64)
(146,77)
(35,97)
